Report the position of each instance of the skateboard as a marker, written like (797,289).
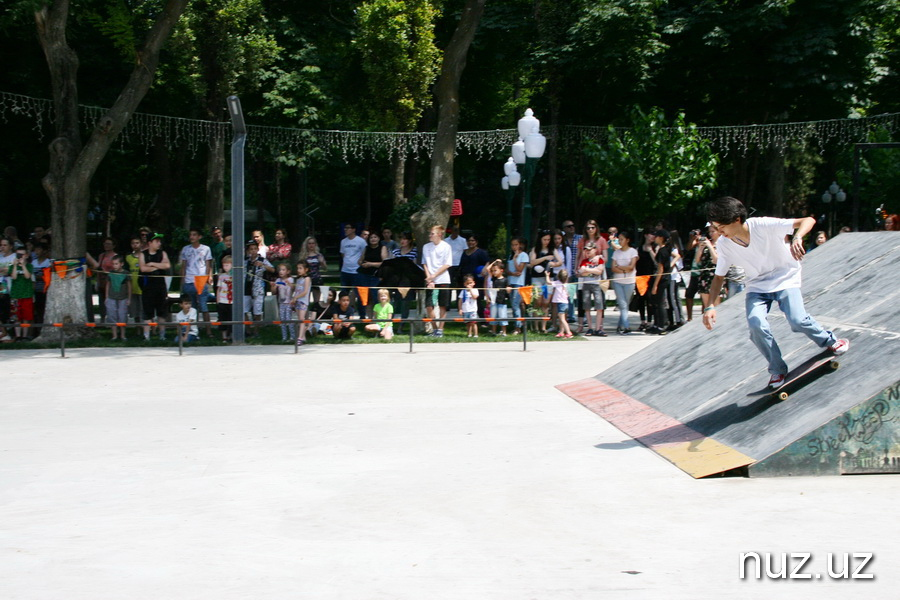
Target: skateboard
(824,360)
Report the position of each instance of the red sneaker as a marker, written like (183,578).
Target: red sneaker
(775,381)
(840,347)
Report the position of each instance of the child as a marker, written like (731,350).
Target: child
(188,314)
(225,296)
(254,281)
(300,298)
(21,292)
(560,298)
(118,296)
(498,294)
(283,289)
(383,310)
(468,304)
(329,306)
(591,271)
(133,263)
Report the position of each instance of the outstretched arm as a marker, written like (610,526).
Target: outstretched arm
(709,312)
(802,227)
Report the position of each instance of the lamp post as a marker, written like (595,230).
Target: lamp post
(833,195)
(528,151)
(509,183)
(237,213)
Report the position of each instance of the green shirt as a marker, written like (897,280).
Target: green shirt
(21,287)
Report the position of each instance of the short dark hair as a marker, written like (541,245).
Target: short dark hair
(726,210)
(185,298)
(196,230)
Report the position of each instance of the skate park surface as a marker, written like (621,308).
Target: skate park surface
(365,472)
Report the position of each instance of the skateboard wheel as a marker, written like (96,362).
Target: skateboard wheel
(834,365)
(782,395)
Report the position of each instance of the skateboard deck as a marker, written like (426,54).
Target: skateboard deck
(796,376)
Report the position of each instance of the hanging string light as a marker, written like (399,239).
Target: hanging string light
(149,130)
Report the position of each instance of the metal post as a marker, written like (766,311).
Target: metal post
(509,222)
(62,340)
(237,215)
(528,176)
(180,340)
(524,336)
(411,333)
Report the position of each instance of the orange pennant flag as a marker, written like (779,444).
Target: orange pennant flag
(642,281)
(403,291)
(60,267)
(525,292)
(363,294)
(46,271)
(200,283)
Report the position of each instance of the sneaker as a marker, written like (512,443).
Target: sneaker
(502,334)
(840,347)
(475,336)
(775,381)
(438,333)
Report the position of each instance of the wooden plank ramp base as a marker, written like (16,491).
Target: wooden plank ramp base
(692,452)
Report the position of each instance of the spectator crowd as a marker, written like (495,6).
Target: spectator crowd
(566,275)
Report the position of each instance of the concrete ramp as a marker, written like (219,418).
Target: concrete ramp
(685,397)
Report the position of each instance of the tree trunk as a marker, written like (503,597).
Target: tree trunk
(436,210)
(72,165)
(215,183)
(398,168)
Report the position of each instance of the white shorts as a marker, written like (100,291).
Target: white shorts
(254,304)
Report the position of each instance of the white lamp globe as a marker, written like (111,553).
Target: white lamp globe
(535,144)
(527,123)
(840,196)
(834,188)
(509,166)
(518,152)
(515,178)
(504,183)
(826,197)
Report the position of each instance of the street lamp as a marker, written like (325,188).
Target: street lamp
(510,181)
(534,144)
(239,138)
(836,194)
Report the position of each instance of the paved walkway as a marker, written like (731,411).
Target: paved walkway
(363,472)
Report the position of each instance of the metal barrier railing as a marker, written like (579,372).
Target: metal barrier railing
(523,321)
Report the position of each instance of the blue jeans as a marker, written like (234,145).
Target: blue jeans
(790,302)
(515,299)
(198,301)
(624,292)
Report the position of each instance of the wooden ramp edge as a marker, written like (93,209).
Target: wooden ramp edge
(692,452)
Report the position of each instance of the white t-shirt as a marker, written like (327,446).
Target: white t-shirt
(458,246)
(623,258)
(767,260)
(469,299)
(513,264)
(191,315)
(435,257)
(194,259)
(5,281)
(351,251)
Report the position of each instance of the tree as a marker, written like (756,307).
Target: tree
(73,163)
(440,197)
(652,169)
(396,40)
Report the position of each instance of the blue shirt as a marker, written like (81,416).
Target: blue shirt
(513,264)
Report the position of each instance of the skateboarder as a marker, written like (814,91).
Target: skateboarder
(770,251)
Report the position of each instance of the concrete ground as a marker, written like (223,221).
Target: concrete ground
(364,472)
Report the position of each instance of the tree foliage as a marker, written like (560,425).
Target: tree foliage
(654,168)
(399,58)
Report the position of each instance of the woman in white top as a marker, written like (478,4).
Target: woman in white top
(624,261)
